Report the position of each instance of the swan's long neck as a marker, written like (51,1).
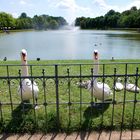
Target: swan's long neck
(25,69)
(96,69)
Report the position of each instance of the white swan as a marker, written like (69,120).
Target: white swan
(132,87)
(101,91)
(26,90)
(83,84)
(118,85)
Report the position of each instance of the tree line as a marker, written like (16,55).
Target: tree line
(112,19)
(41,22)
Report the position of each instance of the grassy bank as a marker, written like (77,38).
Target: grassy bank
(75,111)
(18,30)
(82,61)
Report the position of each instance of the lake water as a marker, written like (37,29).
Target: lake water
(71,44)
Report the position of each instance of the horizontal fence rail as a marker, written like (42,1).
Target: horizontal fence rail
(66,99)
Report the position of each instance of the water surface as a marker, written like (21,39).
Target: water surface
(71,44)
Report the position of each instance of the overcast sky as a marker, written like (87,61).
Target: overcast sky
(69,9)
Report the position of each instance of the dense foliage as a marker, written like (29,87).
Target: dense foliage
(127,19)
(42,22)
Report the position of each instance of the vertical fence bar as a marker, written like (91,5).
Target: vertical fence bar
(114,93)
(92,84)
(45,98)
(20,90)
(80,96)
(9,87)
(135,101)
(32,82)
(1,114)
(69,102)
(92,80)
(102,118)
(113,103)
(103,81)
(57,95)
(124,99)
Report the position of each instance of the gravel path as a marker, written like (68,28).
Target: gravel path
(114,135)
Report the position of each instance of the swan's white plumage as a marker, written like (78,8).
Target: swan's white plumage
(101,91)
(132,87)
(118,85)
(27,90)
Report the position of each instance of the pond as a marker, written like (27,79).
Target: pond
(71,44)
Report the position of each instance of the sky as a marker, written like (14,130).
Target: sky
(69,9)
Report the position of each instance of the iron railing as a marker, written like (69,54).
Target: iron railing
(64,101)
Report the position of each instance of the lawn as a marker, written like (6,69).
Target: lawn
(69,109)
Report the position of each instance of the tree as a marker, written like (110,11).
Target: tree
(79,20)
(60,20)
(38,22)
(110,13)
(6,20)
(53,24)
(23,15)
(111,19)
(24,23)
(134,8)
(129,18)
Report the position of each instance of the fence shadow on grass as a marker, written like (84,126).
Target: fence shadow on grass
(91,112)
(18,118)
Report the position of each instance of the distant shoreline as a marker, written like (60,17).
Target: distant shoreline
(126,29)
(24,30)
(20,30)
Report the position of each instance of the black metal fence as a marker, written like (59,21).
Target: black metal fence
(64,100)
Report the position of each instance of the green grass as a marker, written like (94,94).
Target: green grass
(72,117)
(18,30)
